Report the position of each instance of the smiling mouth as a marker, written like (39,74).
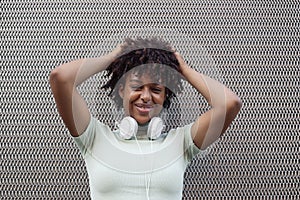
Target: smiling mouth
(143,108)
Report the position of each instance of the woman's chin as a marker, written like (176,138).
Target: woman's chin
(142,121)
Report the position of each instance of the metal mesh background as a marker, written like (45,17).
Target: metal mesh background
(251,46)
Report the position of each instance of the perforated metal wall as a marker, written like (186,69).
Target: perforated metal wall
(251,46)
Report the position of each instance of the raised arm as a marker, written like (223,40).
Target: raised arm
(64,79)
(224,103)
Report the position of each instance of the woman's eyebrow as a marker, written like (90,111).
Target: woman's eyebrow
(142,83)
(135,80)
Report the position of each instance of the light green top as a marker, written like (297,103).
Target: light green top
(135,169)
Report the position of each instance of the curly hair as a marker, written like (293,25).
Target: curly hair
(159,59)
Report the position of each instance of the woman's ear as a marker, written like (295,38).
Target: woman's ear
(166,103)
(121,91)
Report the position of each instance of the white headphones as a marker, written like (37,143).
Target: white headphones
(129,127)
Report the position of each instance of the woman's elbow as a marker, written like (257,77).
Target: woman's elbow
(56,77)
(234,104)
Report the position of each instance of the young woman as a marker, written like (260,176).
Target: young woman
(138,161)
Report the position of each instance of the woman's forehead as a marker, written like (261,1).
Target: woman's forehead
(144,78)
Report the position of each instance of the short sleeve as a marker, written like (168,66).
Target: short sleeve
(86,139)
(190,149)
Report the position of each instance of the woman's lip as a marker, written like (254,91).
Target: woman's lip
(143,108)
(143,105)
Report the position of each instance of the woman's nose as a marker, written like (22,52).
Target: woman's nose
(146,95)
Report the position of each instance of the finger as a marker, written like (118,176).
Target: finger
(179,58)
(173,49)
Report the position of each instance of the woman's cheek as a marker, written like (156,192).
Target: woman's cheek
(156,110)
(133,96)
(159,99)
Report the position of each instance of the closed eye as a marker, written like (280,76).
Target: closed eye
(156,90)
(136,87)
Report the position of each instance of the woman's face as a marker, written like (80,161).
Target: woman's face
(142,98)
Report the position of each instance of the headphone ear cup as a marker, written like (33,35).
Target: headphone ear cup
(155,128)
(128,128)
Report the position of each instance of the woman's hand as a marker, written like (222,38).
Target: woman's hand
(116,52)
(183,66)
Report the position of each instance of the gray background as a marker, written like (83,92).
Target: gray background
(250,46)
